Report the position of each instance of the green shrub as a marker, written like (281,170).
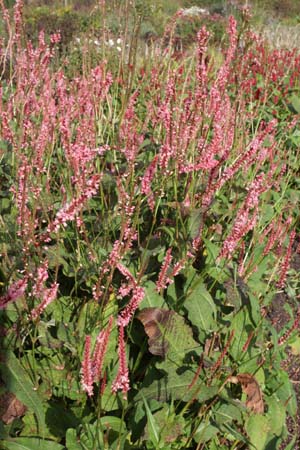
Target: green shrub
(50,20)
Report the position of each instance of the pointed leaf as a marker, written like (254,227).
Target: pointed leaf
(18,382)
(195,222)
(276,414)
(200,307)
(240,324)
(24,443)
(178,387)
(152,298)
(153,428)
(258,428)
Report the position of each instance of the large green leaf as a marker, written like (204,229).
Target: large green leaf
(169,335)
(295,104)
(90,436)
(285,392)
(18,382)
(153,428)
(258,428)
(200,307)
(177,386)
(171,424)
(195,222)
(152,298)
(228,413)
(72,440)
(205,431)
(240,325)
(276,414)
(24,443)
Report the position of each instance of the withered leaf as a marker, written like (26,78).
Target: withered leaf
(252,389)
(11,408)
(155,321)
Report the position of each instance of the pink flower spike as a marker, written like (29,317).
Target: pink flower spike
(42,276)
(127,274)
(86,368)
(15,291)
(163,279)
(121,382)
(49,295)
(287,260)
(100,350)
(126,315)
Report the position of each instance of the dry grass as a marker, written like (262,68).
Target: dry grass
(282,36)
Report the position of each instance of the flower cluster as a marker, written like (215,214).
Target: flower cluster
(121,381)
(39,290)
(137,295)
(14,292)
(92,366)
(70,210)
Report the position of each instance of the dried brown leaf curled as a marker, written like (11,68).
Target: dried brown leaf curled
(11,408)
(253,391)
(155,321)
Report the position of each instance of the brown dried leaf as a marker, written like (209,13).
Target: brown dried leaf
(11,408)
(252,389)
(154,321)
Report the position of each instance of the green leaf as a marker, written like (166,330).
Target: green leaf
(258,428)
(88,317)
(212,251)
(276,414)
(176,386)
(153,428)
(67,419)
(169,335)
(171,424)
(295,346)
(240,325)
(194,223)
(200,307)
(285,392)
(89,435)
(18,382)
(109,402)
(24,443)
(72,440)
(205,432)
(295,103)
(228,413)
(113,423)
(152,298)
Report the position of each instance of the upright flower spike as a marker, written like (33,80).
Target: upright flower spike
(163,279)
(70,210)
(137,296)
(48,296)
(146,182)
(100,350)
(39,290)
(15,291)
(246,217)
(286,261)
(121,382)
(86,368)
(125,316)
(41,278)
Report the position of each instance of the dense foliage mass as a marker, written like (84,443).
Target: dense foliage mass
(149,208)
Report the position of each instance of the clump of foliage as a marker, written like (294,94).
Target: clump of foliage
(149,217)
(45,18)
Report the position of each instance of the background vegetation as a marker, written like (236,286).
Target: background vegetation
(149,228)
